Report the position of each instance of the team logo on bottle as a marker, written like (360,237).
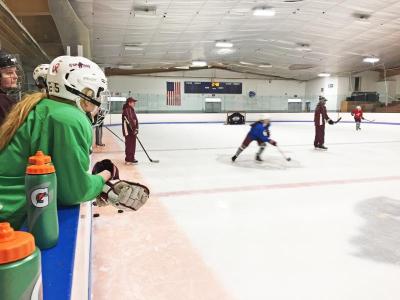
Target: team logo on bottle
(40,197)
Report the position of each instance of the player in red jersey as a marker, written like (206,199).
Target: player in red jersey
(358,116)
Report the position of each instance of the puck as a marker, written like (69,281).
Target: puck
(120,211)
(288,159)
(96,215)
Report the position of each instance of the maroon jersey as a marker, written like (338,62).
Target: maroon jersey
(320,115)
(358,115)
(129,120)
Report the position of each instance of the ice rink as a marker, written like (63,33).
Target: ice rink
(322,226)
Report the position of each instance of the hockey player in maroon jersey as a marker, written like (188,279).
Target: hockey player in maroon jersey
(320,116)
(130,128)
(358,116)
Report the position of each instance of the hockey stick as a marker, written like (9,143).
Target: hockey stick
(118,137)
(283,154)
(152,160)
(141,145)
(338,120)
(369,120)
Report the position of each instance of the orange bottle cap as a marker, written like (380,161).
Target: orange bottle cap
(14,245)
(40,164)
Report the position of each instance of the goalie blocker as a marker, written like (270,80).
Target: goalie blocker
(235,118)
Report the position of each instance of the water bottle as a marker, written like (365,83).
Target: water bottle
(41,195)
(20,271)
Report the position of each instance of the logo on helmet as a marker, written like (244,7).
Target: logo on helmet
(55,68)
(79,65)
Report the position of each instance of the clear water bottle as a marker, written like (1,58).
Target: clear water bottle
(41,195)
(20,271)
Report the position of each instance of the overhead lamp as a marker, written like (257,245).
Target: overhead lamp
(133,48)
(198,63)
(125,67)
(265,66)
(225,51)
(264,11)
(371,59)
(223,44)
(324,75)
(246,63)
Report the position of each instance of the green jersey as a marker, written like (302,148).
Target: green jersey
(62,131)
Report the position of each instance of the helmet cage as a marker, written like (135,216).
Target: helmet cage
(10,61)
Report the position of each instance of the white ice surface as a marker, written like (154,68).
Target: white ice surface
(326,237)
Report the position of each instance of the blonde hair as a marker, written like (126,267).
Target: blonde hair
(17,116)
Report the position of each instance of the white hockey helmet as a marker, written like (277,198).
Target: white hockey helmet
(263,117)
(40,74)
(69,77)
(358,107)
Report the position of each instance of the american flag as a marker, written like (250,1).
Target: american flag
(174,93)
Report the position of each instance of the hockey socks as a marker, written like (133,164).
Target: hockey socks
(260,151)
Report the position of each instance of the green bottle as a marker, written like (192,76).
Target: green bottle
(20,272)
(41,195)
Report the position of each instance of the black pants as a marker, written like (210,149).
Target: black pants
(99,135)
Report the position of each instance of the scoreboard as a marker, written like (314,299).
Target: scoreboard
(205,87)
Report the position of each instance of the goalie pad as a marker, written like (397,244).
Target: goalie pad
(123,195)
(236,118)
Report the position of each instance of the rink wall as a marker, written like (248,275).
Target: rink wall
(380,118)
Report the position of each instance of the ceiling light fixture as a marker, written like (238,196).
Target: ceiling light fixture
(371,59)
(324,75)
(223,44)
(264,11)
(198,63)
(125,67)
(246,63)
(225,51)
(265,66)
(133,48)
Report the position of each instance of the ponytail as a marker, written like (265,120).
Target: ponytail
(17,117)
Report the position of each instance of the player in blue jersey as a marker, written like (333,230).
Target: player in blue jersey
(259,132)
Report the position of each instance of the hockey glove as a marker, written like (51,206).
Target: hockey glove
(123,195)
(106,164)
(273,143)
(330,122)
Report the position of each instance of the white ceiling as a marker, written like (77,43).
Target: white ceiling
(184,30)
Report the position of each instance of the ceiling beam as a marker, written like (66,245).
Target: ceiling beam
(28,8)
(16,39)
